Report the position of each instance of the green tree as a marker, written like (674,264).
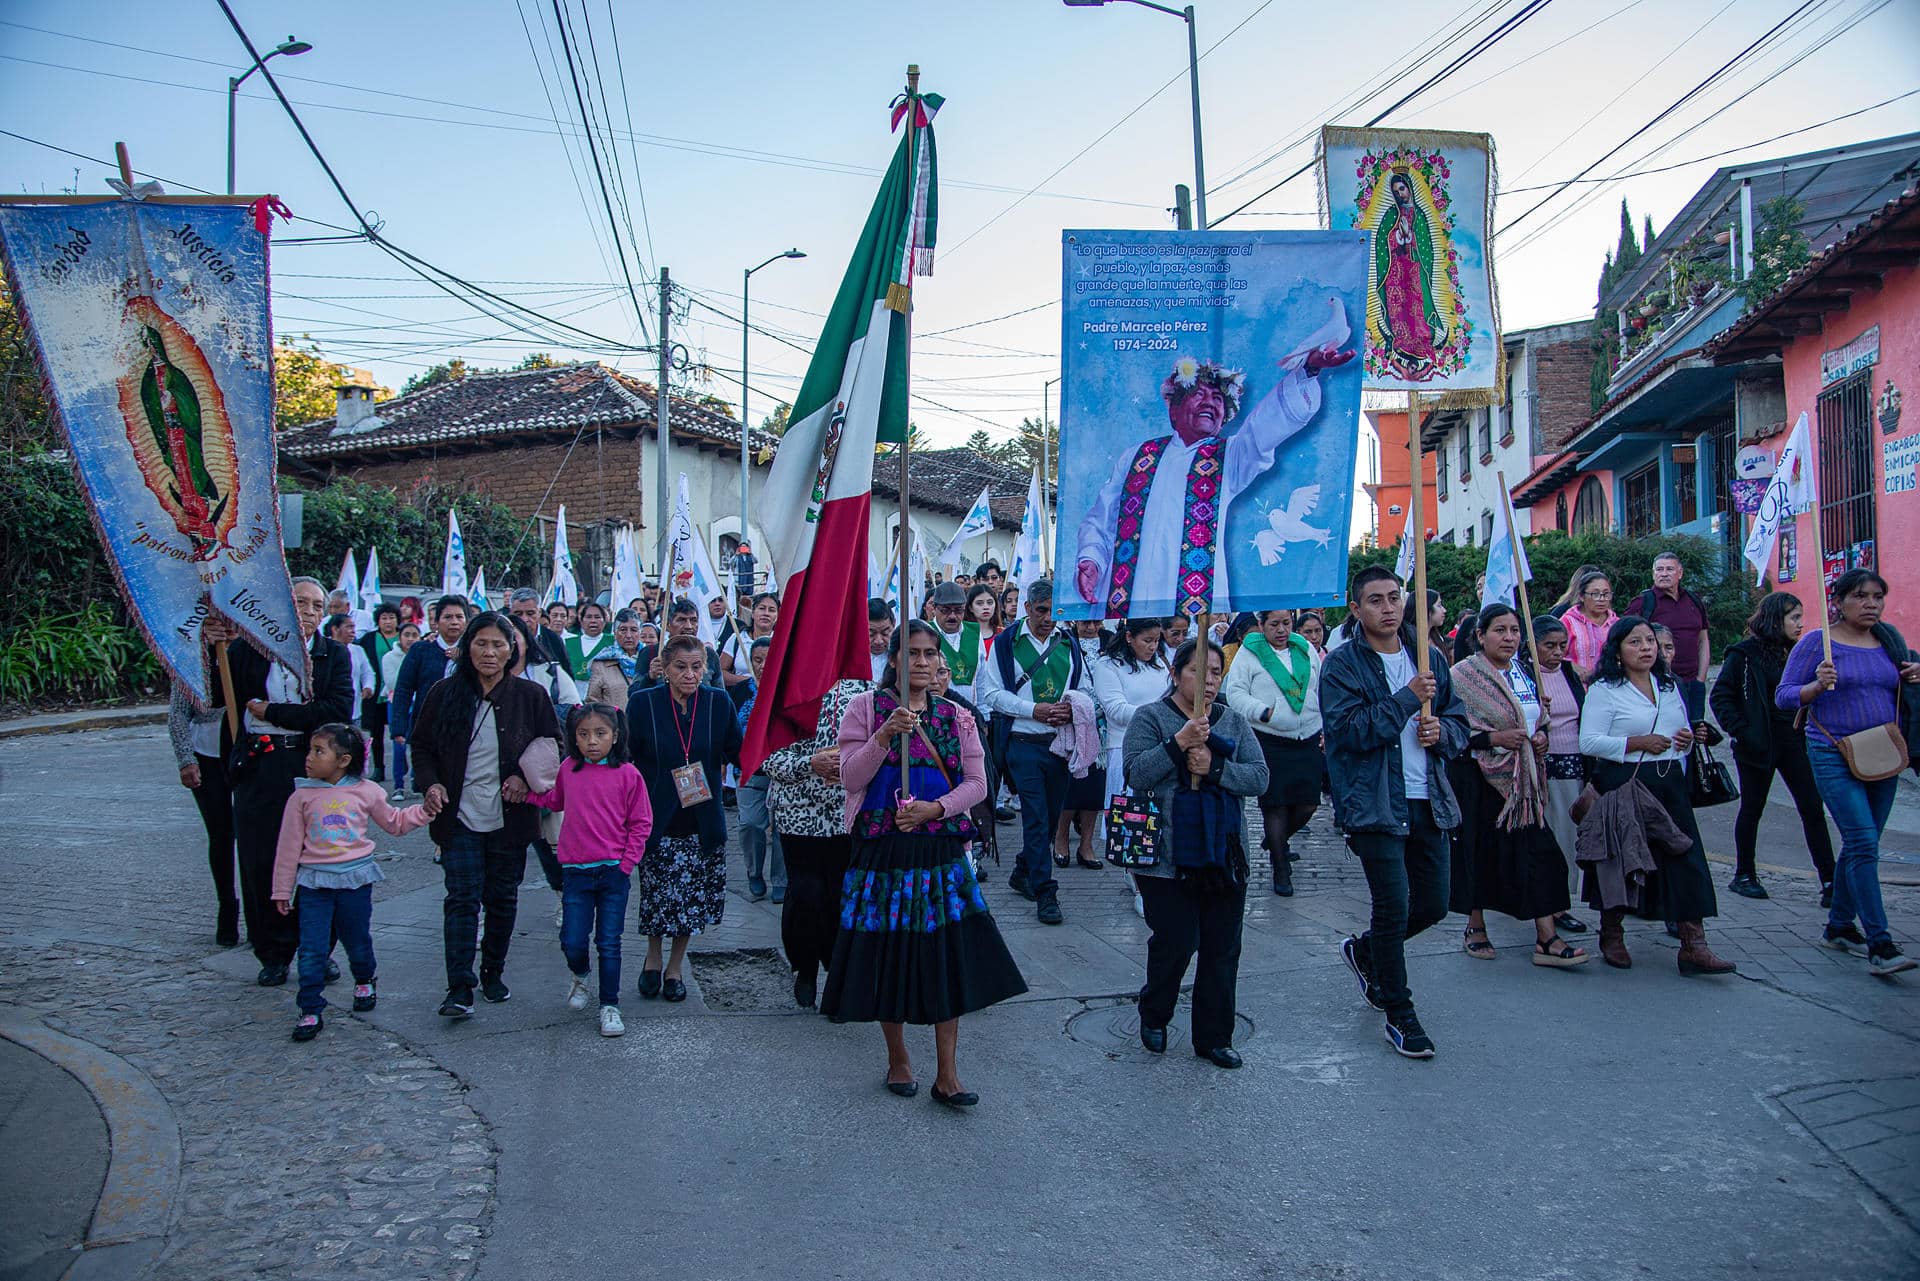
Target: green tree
(539,360)
(450,371)
(409,526)
(303,383)
(1779,248)
(1647,238)
(1627,253)
(26,422)
(775,423)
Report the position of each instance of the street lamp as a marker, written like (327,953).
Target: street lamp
(746,282)
(291,48)
(1193,77)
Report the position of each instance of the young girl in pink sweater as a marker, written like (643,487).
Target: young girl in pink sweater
(608,821)
(326,851)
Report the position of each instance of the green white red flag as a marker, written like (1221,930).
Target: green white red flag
(818,496)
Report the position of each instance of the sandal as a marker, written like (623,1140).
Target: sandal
(1558,953)
(1482,950)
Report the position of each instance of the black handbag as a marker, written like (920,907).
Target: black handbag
(1709,781)
(1133,831)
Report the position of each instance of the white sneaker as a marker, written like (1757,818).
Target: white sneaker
(559,914)
(578,995)
(1139,905)
(610,1024)
(399,795)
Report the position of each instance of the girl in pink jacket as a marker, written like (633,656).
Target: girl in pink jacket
(608,821)
(326,852)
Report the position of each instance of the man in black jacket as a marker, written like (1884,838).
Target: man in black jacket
(1387,759)
(272,753)
(550,646)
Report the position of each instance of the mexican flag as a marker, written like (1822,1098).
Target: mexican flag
(854,397)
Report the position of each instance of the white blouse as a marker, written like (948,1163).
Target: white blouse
(1249,691)
(1614,713)
(1121,691)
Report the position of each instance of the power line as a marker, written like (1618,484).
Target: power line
(566,150)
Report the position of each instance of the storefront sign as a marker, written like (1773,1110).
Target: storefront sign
(1753,462)
(1899,456)
(1844,362)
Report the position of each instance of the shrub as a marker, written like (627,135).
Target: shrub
(410,528)
(88,654)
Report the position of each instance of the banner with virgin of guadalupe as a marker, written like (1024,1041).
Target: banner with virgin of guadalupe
(1424,199)
(1209,420)
(150,324)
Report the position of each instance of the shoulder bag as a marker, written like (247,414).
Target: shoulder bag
(1133,831)
(1876,753)
(1709,781)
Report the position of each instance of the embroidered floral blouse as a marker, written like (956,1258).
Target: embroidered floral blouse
(803,803)
(864,754)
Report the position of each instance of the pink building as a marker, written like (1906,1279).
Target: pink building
(1846,331)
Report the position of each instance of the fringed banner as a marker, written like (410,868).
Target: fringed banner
(151,327)
(1425,199)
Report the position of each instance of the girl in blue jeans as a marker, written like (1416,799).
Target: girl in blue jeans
(605,833)
(1858,689)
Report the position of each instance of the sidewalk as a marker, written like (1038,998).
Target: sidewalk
(55,1161)
(85,719)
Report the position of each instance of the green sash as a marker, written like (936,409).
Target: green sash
(1293,675)
(579,656)
(962,662)
(1049,675)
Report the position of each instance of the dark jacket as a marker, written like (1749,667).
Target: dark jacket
(645,681)
(657,753)
(1362,720)
(422,669)
(552,645)
(1742,701)
(522,712)
(331,698)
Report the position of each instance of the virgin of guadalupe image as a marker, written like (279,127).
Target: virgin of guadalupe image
(177,428)
(1410,323)
(1150,541)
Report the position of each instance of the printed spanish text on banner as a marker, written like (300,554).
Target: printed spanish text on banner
(1210,420)
(1424,199)
(150,323)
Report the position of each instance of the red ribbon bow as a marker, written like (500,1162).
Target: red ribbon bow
(263,211)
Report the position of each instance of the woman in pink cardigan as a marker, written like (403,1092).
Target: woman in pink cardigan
(1588,620)
(916,944)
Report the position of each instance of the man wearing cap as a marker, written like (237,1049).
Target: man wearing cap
(960,642)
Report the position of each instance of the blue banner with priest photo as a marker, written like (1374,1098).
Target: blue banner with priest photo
(1210,420)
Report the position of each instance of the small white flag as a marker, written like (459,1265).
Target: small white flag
(349,580)
(1403,568)
(1790,492)
(453,571)
(978,520)
(480,590)
(370,597)
(690,560)
(564,587)
(627,583)
(1501,585)
(1027,561)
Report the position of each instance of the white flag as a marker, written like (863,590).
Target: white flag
(564,587)
(1028,567)
(453,571)
(978,520)
(1403,568)
(370,597)
(627,583)
(916,578)
(349,579)
(1501,585)
(1790,492)
(873,575)
(480,590)
(691,563)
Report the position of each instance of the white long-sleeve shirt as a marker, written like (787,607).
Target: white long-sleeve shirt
(1614,713)
(1121,691)
(1255,695)
(1018,702)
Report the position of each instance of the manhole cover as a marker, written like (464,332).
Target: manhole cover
(1114,1029)
(748,980)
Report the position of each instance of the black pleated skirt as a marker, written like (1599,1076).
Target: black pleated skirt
(1682,890)
(917,943)
(1294,770)
(1517,872)
(1089,793)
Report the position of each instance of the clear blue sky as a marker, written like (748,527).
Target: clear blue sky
(763,125)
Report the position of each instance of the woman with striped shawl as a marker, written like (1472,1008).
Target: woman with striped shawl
(1505,858)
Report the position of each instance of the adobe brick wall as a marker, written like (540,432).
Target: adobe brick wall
(1562,401)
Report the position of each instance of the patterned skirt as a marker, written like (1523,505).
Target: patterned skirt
(917,943)
(680,888)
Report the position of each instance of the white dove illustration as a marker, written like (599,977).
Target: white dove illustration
(1288,525)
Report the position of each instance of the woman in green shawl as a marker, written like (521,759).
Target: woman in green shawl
(1275,684)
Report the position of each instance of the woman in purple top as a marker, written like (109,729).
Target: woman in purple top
(1857,689)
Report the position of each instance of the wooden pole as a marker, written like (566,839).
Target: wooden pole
(1418,521)
(126,165)
(226,690)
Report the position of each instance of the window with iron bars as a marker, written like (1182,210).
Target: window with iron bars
(1845,480)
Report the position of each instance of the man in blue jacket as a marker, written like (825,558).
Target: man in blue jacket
(1387,761)
(425,665)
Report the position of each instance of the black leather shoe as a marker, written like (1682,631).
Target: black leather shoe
(272,976)
(1224,1056)
(673,990)
(1018,884)
(1154,1038)
(958,1099)
(226,933)
(805,991)
(649,983)
(905,1089)
(1283,878)
(1568,923)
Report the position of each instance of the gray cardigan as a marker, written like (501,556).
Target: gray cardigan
(1156,767)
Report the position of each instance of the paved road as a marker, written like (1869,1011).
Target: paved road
(1593,1123)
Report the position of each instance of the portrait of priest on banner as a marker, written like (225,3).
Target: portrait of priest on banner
(1156,539)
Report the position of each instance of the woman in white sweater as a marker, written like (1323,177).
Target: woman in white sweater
(1275,684)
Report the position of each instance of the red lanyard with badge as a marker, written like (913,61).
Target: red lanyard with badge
(690,779)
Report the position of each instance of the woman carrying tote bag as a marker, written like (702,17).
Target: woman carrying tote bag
(1853,703)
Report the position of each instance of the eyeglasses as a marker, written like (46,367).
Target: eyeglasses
(1603,593)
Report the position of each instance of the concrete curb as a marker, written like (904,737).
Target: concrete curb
(136,1207)
(68,723)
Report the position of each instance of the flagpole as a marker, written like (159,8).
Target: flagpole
(1520,584)
(1418,521)
(226,690)
(906,435)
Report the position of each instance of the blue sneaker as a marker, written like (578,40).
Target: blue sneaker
(1407,1037)
(1350,953)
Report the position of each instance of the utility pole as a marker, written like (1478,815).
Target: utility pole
(662,412)
(1182,207)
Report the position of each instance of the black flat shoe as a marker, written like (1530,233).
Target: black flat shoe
(1091,864)
(1224,1056)
(1154,1038)
(1570,923)
(226,933)
(1061,860)
(958,1099)
(673,990)
(1748,885)
(805,991)
(905,1089)
(649,983)
(272,976)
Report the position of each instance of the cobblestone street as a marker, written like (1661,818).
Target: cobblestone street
(1593,1123)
